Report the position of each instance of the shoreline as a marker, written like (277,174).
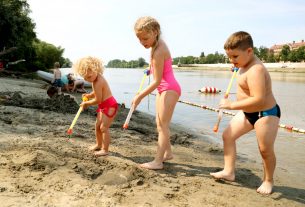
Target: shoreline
(272,67)
(41,166)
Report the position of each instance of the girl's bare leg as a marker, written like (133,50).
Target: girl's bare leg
(165,105)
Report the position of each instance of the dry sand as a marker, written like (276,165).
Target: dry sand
(40,166)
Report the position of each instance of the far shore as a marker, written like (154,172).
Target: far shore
(272,67)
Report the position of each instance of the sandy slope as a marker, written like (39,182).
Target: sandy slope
(40,166)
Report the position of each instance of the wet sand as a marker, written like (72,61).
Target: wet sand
(41,166)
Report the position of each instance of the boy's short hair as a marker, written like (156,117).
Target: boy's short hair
(239,40)
(51,91)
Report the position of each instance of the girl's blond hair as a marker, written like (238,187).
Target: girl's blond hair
(88,63)
(147,24)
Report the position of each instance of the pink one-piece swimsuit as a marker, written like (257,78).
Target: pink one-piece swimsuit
(168,81)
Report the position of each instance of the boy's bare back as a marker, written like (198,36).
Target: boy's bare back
(57,73)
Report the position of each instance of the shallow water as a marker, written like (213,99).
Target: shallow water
(288,88)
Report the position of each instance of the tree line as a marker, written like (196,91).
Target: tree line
(262,52)
(20,49)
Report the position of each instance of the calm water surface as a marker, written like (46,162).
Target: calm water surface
(288,88)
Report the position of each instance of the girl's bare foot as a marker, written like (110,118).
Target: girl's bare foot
(223,175)
(100,153)
(167,157)
(152,165)
(265,188)
(94,148)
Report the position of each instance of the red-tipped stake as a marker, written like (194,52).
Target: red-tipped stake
(125,126)
(69,131)
(215,129)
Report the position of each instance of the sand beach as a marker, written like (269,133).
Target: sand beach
(41,166)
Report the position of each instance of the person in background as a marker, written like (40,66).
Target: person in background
(76,85)
(65,81)
(57,77)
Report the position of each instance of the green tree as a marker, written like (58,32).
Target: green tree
(16,30)
(47,54)
(285,53)
(300,54)
(256,51)
(263,53)
(141,62)
(65,62)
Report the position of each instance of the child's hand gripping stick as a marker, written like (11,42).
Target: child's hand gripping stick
(146,73)
(215,129)
(69,132)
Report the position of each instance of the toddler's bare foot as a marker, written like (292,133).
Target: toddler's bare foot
(152,165)
(100,153)
(223,175)
(167,157)
(265,188)
(94,148)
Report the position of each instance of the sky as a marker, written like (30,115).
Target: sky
(104,28)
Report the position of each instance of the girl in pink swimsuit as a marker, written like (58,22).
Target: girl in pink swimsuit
(147,30)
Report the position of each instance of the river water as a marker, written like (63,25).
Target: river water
(288,88)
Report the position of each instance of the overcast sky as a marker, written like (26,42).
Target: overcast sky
(104,28)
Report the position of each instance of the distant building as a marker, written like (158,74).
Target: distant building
(276,49)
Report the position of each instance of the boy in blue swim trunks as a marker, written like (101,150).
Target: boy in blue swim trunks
(57,77)
(259,110)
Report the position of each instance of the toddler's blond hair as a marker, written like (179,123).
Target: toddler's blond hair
(88,63)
